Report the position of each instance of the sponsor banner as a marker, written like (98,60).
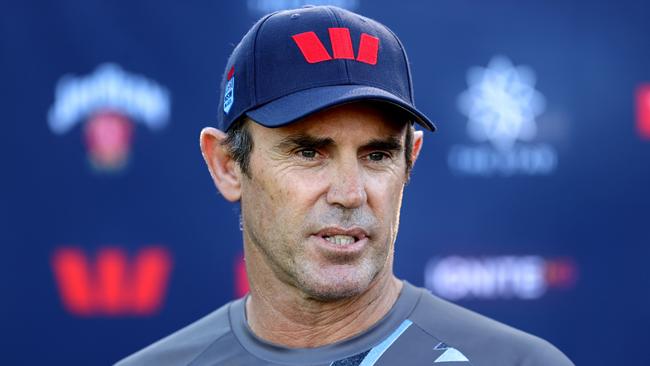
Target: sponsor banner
(498,277)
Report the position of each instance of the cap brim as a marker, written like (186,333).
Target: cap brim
(292,107)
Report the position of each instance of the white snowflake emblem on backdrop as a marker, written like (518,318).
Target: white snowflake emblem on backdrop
(501,103)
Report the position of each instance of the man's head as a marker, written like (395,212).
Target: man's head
(320,203)
(316,142)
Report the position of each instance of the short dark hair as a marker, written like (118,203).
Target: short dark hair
(239,143)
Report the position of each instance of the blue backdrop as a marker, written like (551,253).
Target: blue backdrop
(530,204)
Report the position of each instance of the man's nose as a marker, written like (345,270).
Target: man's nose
(347,185)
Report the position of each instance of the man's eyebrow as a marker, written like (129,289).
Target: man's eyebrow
(303,140)
(391,143)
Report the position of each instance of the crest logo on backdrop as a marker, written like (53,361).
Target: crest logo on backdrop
(501,105)
(109,101)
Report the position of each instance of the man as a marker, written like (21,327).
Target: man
(316,143)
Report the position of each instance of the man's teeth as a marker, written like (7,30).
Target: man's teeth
(340,239)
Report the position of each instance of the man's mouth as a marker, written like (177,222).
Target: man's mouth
(342,237)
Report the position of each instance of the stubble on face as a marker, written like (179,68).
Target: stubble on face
(288,199)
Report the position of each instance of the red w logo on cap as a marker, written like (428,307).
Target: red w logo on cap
(314,51)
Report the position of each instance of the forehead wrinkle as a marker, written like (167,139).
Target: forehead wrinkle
(333,127)
(302,139)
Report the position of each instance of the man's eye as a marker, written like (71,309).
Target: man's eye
(377,156)
(308,153)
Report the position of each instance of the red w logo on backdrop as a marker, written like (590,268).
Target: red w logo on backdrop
(241,277)
(112,284)
(314,51)
(643,110)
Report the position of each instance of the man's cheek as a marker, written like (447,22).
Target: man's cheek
(303,191)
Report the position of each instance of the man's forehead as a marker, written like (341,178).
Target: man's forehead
(354,121)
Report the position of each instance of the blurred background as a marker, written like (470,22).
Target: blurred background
(529,205)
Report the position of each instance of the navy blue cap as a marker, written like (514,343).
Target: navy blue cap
(296,62)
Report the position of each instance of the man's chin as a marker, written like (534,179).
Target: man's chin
(341,285)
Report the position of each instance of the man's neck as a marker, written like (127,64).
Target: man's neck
(296,321)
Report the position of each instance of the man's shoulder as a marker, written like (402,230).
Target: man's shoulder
(481,338)
(184,345)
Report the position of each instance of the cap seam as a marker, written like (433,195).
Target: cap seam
(406,65)
(338,24)
(257,34)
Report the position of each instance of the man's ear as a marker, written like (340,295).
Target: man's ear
(224,170)
(417,144)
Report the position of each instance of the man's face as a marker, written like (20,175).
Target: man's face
(321,206)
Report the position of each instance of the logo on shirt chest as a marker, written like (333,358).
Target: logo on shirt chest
(449,354)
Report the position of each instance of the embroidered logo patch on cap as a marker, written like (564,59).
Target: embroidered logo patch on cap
(229,96)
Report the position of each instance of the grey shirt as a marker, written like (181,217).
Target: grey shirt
(420,329)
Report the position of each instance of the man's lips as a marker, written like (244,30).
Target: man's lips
(356,232)
(341,240)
